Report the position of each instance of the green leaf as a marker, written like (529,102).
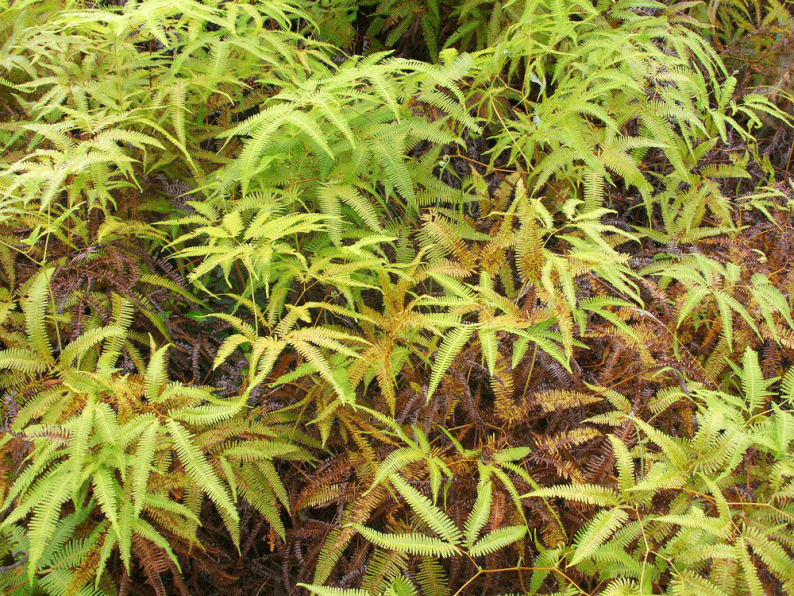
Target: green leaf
(584,493)
(200,471)
(105,489)
(35,310)
(489,347)
(411,543)
(156,373)
(79,435)
(480,513)
(45,517)
(328,591)
(597,532)
(496,540)
(142,464)
(452,344)
(438,521)
(753,383)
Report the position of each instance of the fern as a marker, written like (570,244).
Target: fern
(496,540)
(479,513)
(111,455)
(598,531)
(449,348)
(412,543)
(432,578)
(432,516)
(38,298)
(396,316)
(326,591)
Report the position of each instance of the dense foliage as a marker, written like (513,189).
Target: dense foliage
(418,297)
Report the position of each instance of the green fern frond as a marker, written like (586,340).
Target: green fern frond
(200,471)
(105,490)
(584,493)
(787,386)
(696,520)
(411,543)
(453,342)
(155,378)
(35,309)
(622,587)
(478,516)
(23,360)
(774,556)
(385,566)
(77,349)
(690,582)
(339,538)
(26,481)
(432,578)
(335,377)
(208,414)
(749,570)
(395,461)
(598,531)
(328,591)
(389,150)
(254,488)
(754,386)
(158,503)
(262,449)
(623,462)
(497,540)
(45,517)
(79,434)
(546,561)
(142,466)
(436,519)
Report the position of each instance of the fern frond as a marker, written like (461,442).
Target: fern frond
(749,571)
(35,309)
(338,539)
(497,540)
(436,519)
(384,567)
(23,360)
(45,517)
(328,591)
(450,346)
(77,349)
(201,472)
(254,488)
(432,578)
(389,150)
(105,489)
(411,543)
(478,516)
(79,434)
(623,462)
(598,531)
(584,493)
(774,556)
(155,377)
(209,414)
(148,532)
(754,386)
(142,466)
(787,386)
(691,582)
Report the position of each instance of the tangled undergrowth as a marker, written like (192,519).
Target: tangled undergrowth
(417,297)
